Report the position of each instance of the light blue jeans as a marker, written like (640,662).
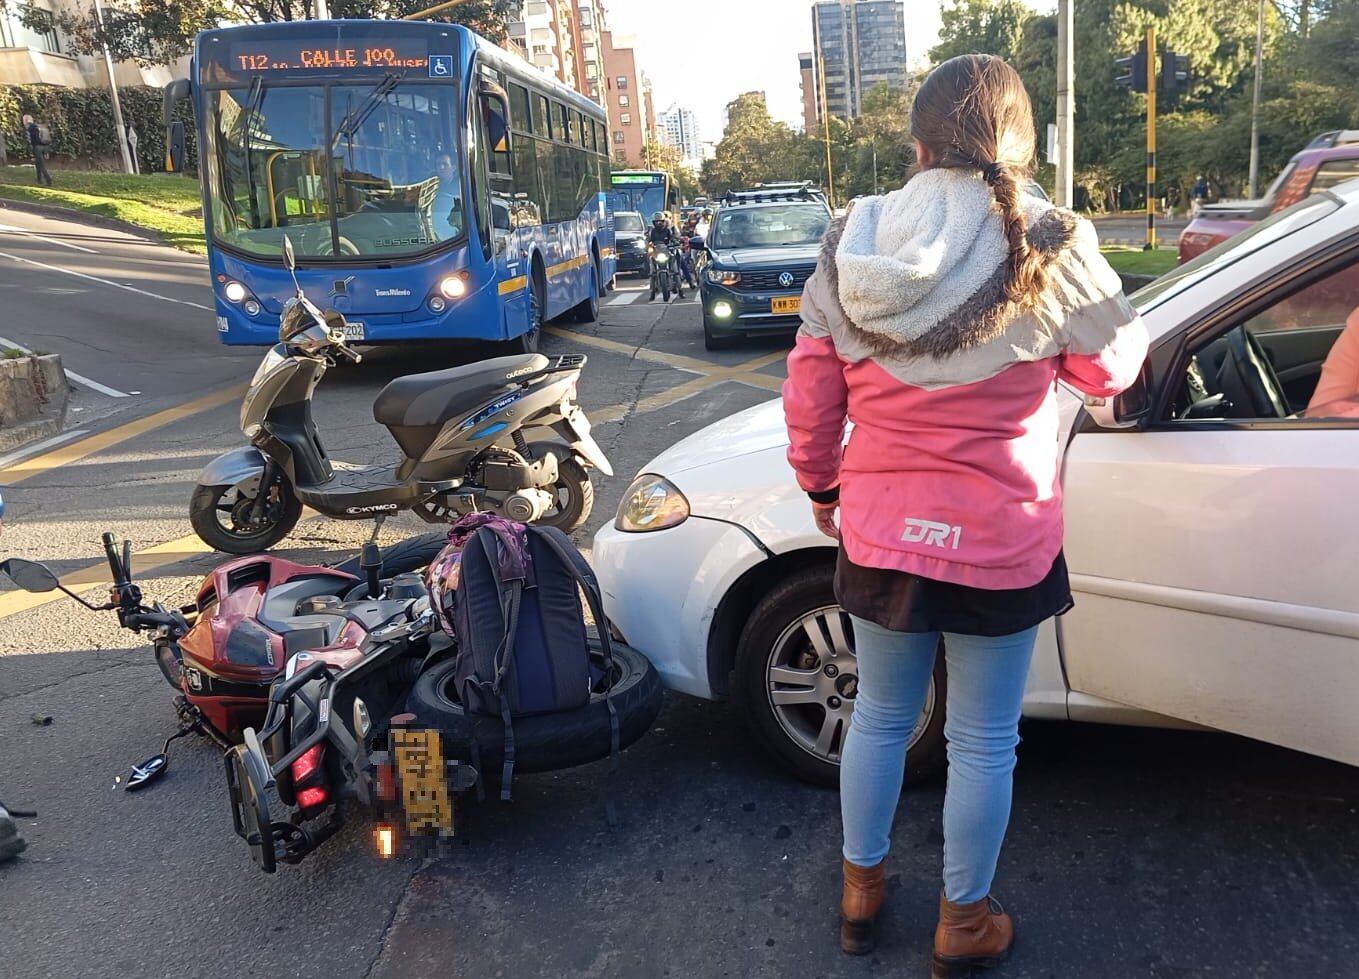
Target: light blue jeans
(985,686)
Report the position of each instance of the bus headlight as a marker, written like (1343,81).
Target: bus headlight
(233,291)
(453,286)
(252,308)
(437,304)
(723,277)
(651,503)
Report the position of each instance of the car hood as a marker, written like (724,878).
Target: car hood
(773,255)
(752,430)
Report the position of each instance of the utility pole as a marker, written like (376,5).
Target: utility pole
(1153,78)
(113,92)
(1255,103)
(1065,106)
(322,10)
(825,129)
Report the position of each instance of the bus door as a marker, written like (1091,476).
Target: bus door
(496,203)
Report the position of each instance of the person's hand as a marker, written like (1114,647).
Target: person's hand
(825,516)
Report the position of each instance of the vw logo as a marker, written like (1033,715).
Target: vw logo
(786,280)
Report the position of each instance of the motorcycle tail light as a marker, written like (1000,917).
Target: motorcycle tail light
(311,798)
(307,764)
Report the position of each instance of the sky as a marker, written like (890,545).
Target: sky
(704,53)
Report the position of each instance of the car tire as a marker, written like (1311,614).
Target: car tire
(712,341)
(542,742)
(769,636)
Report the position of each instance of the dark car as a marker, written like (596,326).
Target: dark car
(630,240)
(762,248)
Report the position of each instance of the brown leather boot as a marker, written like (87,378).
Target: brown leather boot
(860,903)
(971,936)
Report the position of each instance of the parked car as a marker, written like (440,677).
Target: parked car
(1209,532)
(761,248)
(1330,159)
(629,228)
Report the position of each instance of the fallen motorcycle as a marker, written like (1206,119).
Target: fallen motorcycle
(222,651)
(460,433)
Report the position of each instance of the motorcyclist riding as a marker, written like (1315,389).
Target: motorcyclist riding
(661,232)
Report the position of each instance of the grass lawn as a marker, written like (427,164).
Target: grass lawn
(166,205)
(1135,261)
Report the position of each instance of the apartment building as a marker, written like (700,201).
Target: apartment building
(29,57)
(861,44)
(679,126)
(806,62)
(627,96)
(544,33)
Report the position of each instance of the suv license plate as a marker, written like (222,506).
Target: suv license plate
(424,796)
(787,304)
(353,331)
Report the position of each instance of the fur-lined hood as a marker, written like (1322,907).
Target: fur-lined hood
(921,271)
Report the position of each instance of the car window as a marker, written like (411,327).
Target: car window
(1295,360)
(1235,248)
(1335,172)
(754,227)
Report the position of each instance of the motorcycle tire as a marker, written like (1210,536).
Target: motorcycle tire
(665,293)
(412,554)
(542,742)
(572,480)
(203,509)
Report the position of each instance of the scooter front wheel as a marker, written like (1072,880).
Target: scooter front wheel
(223,517)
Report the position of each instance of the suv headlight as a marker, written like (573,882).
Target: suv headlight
(723,277)
(651,503)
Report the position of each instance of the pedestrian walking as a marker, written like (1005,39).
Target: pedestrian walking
(39,139)
(938,321)
(1198,195)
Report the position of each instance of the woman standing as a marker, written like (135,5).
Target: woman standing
(939,320)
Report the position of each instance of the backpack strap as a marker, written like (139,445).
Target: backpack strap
(510,597)
(561,545)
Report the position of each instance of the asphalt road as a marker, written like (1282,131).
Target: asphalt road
(1131,853)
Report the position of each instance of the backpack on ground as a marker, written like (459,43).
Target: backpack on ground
(522,647)
(44,134)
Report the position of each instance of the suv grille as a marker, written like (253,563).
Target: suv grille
(767,280)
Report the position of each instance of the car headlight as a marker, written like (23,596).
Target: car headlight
(723,277)
(651,503)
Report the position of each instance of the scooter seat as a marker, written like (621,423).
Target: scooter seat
(424,400)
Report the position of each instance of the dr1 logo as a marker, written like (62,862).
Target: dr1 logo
(441,66)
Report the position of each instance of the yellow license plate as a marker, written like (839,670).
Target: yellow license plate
(423,784)
(788,304)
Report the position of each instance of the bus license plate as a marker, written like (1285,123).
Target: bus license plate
(425,798)
(787,304)
(353,331)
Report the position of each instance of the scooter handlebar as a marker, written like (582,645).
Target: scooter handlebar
(118,565)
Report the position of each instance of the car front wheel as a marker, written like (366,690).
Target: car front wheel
(797,677)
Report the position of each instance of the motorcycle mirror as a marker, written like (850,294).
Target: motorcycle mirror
(30,575)
(147,772)
(289,256)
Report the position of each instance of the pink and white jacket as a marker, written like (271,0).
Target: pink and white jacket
(951,471)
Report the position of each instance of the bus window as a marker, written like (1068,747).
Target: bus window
(601,139)
(582,130)
(542,117)
(497,136)
(519,109)
(566,130)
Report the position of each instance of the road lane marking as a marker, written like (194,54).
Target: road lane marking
(70,374)
(678,361)
(619,298)
(36,447)
(107,282)
(74,452)
(11,229)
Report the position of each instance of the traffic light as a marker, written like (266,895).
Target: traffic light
(1174,71)
(1133,70)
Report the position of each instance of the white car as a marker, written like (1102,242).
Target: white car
(1212,532)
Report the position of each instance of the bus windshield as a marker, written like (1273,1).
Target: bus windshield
(640,192)
(364,170)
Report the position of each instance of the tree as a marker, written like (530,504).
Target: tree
(980,27)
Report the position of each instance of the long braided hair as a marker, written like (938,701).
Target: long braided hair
(973,112)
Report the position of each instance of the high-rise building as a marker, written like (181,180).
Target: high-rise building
(861,44)
(627,96)
(590,24)
(679,126)
(807,64)
(546,34)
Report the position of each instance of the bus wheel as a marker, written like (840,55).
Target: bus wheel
(528,343)
(587,310)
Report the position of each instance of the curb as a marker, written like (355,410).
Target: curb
(34,394)
(82,217)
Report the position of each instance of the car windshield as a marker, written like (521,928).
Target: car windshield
(783,224)
(1248,242)
(629,223)
(362,170)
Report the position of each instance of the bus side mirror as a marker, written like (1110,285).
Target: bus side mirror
(176,148)
(495,102)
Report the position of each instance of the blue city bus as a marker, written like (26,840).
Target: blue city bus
(643,191)
(432,185)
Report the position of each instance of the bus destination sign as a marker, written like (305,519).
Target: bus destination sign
(280,55)
(620,179)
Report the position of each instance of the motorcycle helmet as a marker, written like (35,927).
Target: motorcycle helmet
(658,218)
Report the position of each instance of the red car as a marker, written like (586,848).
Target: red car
(1330,159)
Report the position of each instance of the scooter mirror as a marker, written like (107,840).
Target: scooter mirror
(147,772)
(289,256)
(29,575)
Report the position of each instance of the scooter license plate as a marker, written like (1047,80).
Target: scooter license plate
(420,773)
(353,331)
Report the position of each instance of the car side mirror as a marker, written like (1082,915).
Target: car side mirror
(1126,410)
(696,243)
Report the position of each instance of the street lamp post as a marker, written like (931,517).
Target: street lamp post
(1255,103)
(1065,111)
(113,92)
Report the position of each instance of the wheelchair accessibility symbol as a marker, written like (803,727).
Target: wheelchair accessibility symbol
(441,66)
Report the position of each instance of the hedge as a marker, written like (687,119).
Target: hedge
(81,121)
